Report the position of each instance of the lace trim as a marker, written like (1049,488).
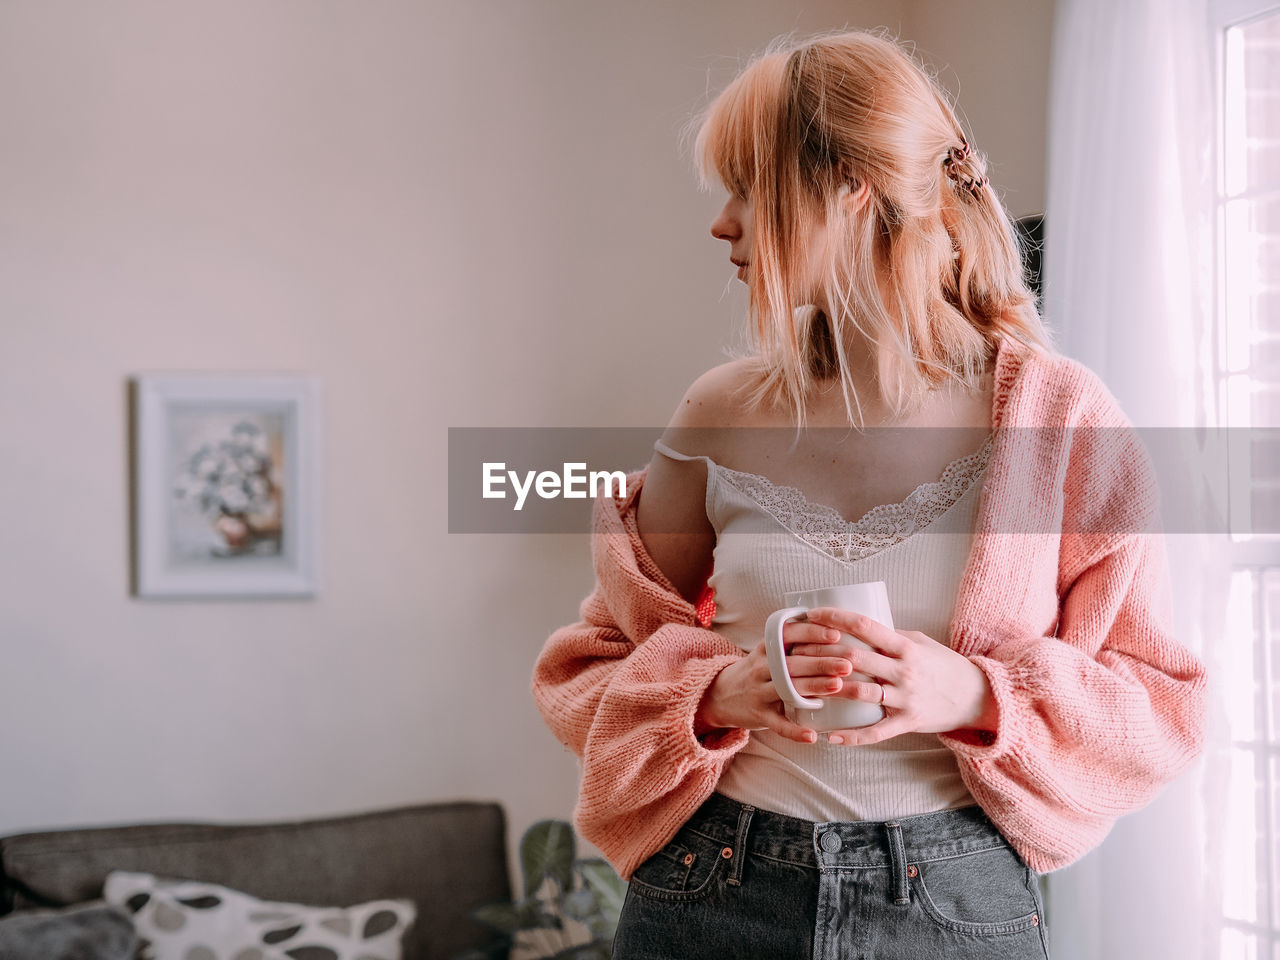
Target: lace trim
(877,529)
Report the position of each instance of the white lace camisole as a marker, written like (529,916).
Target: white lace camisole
(771,540)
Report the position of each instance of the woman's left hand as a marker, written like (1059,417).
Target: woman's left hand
(928,687)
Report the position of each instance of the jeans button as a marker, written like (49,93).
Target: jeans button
(830,842)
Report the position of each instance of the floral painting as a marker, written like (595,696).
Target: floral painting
(229,484)
(226,485)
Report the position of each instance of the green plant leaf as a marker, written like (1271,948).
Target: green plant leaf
(610,891)
(547,850)
(509,917)
(580,904)
(503,917)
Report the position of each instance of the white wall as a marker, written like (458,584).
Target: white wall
(466,213)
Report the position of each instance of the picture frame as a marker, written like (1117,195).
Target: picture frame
(226,485)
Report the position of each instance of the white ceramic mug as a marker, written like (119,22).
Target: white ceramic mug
(826,713)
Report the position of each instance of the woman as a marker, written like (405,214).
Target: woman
(990,482)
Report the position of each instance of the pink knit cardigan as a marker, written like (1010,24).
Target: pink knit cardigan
(1098,704)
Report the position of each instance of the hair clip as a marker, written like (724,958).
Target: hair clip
(956,156)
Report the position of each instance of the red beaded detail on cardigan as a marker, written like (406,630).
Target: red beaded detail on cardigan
(706,605)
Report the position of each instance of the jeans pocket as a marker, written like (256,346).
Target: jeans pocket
(685,869)
(985,893)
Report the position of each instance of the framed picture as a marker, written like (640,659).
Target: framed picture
(225,485)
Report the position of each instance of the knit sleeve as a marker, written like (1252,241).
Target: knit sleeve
(1087,732)
(590,671)
(1094,720)
(622,696)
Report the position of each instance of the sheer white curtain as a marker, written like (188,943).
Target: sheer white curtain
(1128,273)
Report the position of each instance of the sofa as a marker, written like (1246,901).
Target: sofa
(446,858)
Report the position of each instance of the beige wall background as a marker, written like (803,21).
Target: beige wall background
(993,56)
(453,214)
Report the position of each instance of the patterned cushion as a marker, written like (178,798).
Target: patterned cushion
(191,920)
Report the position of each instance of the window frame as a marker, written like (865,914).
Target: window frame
(1254,556)
(1222,15)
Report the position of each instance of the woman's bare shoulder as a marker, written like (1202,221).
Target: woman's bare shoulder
(716,400)
(672,509)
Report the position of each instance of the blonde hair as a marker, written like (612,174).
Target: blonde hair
(799,122)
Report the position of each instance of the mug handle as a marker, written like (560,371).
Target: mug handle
(778,658)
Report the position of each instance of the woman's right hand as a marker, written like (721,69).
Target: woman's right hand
(743,694)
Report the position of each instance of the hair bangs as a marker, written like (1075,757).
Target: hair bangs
(739,131)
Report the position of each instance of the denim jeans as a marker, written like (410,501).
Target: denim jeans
(738,882)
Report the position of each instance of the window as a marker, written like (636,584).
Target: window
(1247,34)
